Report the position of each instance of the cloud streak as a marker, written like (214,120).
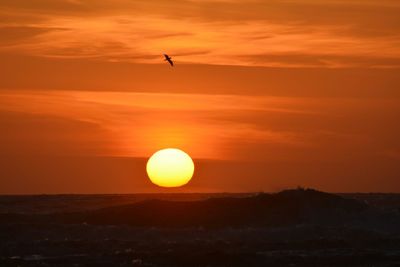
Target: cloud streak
(145,122)
(138,32)
(219,126)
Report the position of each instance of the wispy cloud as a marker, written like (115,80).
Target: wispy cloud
(216,126)
(135,32)
(143,122)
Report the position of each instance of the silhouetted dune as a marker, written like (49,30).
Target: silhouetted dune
(280,209)
(287,207)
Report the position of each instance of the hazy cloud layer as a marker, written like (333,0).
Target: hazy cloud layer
(36,73)
(208,32)
(209,126)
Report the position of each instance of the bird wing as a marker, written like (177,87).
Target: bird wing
(168,58)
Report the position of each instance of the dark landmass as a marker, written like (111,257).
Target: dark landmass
(301,227)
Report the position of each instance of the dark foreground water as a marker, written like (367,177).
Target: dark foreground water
(372,241)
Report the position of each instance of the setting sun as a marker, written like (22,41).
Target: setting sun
(170,167)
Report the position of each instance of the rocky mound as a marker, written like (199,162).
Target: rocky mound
(285,208)
(290,207)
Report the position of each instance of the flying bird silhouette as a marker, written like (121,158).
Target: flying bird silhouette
(168,58)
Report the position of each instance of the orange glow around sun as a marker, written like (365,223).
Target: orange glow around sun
(170,167)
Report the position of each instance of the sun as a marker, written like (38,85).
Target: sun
(170,167)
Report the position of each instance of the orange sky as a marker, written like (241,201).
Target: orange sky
(265,95)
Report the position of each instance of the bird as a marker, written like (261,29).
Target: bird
(168,58)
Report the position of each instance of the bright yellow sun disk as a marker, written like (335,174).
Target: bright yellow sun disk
(170,167)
